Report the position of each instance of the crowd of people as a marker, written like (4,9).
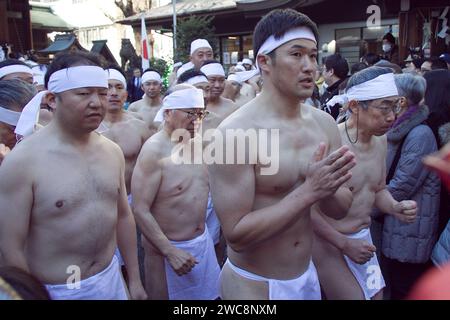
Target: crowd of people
(99,201)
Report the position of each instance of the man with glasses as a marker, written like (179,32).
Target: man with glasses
(343,251)
(170,196)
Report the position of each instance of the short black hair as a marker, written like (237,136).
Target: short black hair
(338,64)
(371,58)
(69,59)
(150,69)
(389,37)
(188,74)
(418,62)
(277,22)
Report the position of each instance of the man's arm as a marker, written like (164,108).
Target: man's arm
(126,237)
(144,187)
(233,191)
(16,200)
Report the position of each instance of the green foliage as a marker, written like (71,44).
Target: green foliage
(192,28)
(163,69)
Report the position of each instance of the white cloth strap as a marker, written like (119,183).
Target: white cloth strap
(14,68)
(113,74)
(381,87)
(213,69)
(197,79)
(181,99)
(8,116)
(151,76)
(60,81)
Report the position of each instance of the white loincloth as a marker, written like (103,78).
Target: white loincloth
(305,287)
(202,282)
(212,221)
(105,285)
(368,275)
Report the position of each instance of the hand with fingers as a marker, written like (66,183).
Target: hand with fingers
(181,261)
(4,150)
(405,211)
(359,251)
(326,175)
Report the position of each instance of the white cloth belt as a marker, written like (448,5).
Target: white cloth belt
(213,69)
(8,116)
(381,87)
(14,68)
(197,79)
(113,74)
(151,76)
(60,81)
(181,99)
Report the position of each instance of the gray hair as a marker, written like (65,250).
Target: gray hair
(364,76)
(411,86)
(15,94)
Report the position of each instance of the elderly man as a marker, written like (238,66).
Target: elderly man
(201,51)
(151,102)
(169,202)
(16,69)
(14,95)
(343,251)
(67,210)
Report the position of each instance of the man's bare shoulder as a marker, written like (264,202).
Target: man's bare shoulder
(155,147)
(135,106)
(242,118)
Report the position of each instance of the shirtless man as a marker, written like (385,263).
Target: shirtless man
(217,104)
(14,95)
(125,130)
(234,90)
(63,196)
(266,218)
(201,51)
(169,202)
(343,250)
(149,105)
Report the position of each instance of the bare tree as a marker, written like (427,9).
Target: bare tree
(132,7)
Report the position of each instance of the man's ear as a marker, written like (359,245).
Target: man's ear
(50,100)
(353,106)
(403,102)
(264,61)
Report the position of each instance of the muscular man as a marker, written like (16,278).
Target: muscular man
(266,218)
(63,196)
(151,102)
(343,250)
(125,130)
(14,95)
(217,104)
(169,202)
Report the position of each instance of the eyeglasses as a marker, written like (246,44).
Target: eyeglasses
(395,107)
(193,115)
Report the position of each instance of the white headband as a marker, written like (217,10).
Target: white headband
(185,67)
(239,67)
(197,79)
(14,68)
(381,87)
(151,76)
(297,33)
(247,61)
(199,43)
(213,69)
(8,116)
(235,77)
(181,99)
(60,81)
(113,74)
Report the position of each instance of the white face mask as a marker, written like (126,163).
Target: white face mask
(386,47)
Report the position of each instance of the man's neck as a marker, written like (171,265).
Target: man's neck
(114,116)
(285,106)
(70,135)
(153,102)
(168,130)
(354,129)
